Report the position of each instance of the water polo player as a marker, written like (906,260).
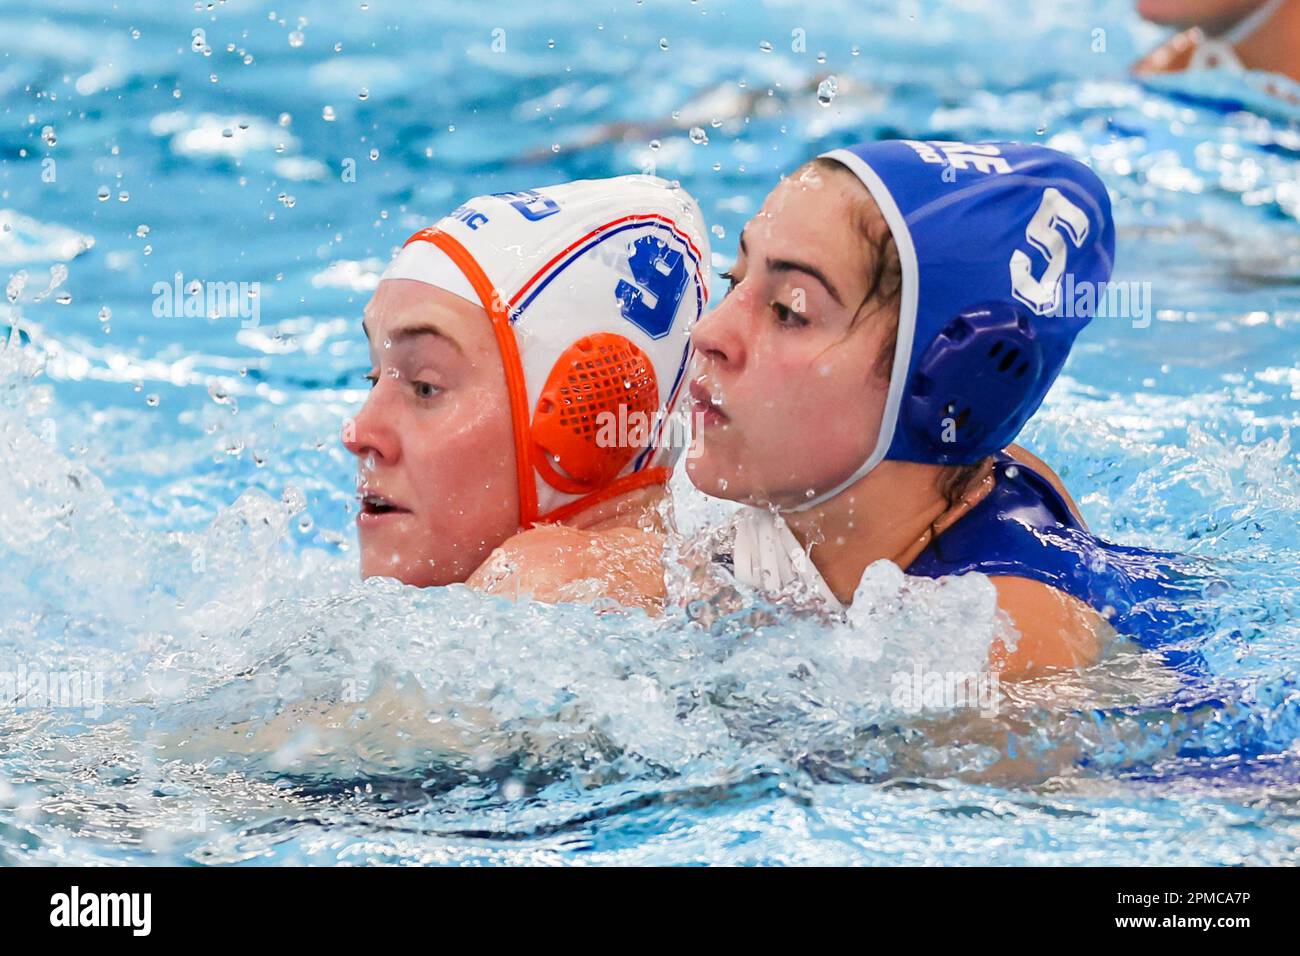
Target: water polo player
(895,318)
(511,346)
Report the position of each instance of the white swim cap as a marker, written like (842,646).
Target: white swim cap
(592,288)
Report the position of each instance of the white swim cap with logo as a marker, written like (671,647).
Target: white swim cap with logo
(592,288)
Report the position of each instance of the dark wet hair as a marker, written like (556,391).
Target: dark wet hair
(885,289)
(885,277)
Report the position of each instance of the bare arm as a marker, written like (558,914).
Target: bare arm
(1057,630)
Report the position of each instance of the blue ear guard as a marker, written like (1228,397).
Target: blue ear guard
(972,385)
(985,232)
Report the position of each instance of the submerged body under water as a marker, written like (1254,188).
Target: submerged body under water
(198,676)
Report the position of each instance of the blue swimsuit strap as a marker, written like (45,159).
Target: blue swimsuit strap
(1024,528)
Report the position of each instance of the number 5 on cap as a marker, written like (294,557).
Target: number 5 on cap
(1044,232)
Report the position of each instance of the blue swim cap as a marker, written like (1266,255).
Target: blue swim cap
(985,234)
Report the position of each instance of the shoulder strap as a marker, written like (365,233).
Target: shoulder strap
(1023,528)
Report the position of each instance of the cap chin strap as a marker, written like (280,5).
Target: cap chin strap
(875,458)
(516,386)
(906,321)
(1250,24)
(1220,51)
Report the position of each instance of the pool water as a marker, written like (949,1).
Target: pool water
(176,509)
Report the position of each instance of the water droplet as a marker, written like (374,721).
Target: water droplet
(285,119)
(719,231)
(654,144)
(50,137)
(363,94)
(826,90)
(305,524)
(555,147)
(513,789)
(141,230)
(151,400)
(103,193)
(17,282)
(124,196)
(327,114)
(105,314)
(374,155)
(63,298)
(663,43)
(296,38)
(765,46)
(699,137)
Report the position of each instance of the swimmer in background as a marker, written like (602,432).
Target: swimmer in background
(501,340)
(1225,34)
(894,319)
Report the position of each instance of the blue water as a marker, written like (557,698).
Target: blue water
(176,510)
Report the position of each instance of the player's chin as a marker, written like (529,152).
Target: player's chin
(382,557)
(713,472)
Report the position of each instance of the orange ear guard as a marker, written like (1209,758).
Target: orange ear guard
(601,380)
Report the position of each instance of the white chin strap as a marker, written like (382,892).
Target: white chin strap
(906,321)
(875,458)
(1219,51)
(1250,24)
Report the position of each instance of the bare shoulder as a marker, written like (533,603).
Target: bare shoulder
(1057,630)
(1028,458)
(540,558)
(555,563)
